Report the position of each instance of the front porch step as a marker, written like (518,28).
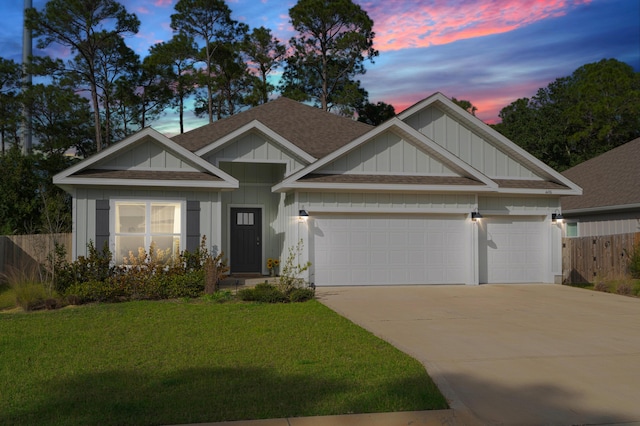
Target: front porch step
(245,281)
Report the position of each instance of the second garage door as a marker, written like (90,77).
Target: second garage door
(511,249)
(389,249)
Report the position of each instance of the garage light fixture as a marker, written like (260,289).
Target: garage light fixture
(475,215)
(303,213)
(556,217)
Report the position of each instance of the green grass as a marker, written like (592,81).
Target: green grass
(7,297)
(174,362)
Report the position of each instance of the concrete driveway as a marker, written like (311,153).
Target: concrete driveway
(518,354)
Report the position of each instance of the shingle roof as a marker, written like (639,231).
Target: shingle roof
(611,179)
(389,179)
(146,175)
(314,131)
(528,184)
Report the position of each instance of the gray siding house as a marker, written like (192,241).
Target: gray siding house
(399,203)
(610,203)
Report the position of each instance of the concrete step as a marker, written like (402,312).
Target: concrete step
(240,281)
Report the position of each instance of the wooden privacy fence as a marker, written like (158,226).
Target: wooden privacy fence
(585,259)
(25,252)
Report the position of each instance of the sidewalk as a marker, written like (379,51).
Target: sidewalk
(413,418)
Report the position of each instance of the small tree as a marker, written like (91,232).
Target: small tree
(291,270)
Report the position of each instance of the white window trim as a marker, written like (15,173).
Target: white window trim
(148,202)
(566,230)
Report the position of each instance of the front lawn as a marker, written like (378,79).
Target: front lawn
(185,362)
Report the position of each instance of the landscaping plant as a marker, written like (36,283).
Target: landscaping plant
(634,262)
(291,270)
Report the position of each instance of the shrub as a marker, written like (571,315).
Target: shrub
(265,293)
(30,295)
(634,262)
(301,294)
(215,270)
(28,290)
(110,290)
(95,267)
(175,286)
(624,288)
(601,286)
(268,293)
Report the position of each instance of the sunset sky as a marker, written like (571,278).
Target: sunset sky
(490,52)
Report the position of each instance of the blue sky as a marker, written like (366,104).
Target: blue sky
(488,52)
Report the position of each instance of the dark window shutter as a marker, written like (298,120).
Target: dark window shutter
(193,226)
(102,224)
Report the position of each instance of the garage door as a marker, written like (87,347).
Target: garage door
(389,249)
(511,250)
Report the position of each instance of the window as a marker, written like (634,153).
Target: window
(138,224)
(571,229)
(244,218)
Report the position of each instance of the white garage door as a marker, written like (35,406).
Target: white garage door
(511,250)
(389,249)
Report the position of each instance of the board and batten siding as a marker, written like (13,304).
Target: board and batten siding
(518,205)
(387,153)
(595,225)
(148,155)
(254,148)
(346,201)
(84,212)
(469,146)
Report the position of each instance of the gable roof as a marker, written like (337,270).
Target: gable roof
(96,169)
(467,175)
(311,129)
(553,179)
(255,125)
(468,178)
(610,181)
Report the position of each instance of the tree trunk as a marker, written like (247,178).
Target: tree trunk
(323,96)
(107,121)
(181,113)
(209,89)
(96,116)
(143,111)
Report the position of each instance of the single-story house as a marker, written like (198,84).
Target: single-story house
(399,203)
(610,203)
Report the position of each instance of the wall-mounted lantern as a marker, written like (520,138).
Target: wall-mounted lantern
(556,217)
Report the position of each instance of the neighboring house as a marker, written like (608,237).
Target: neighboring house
(611,200)
(390,204)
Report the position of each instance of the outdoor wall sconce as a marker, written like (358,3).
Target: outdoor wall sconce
(303,213)
(556,217)
(475,215)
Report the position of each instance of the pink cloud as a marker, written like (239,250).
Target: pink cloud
(399,24)
(489,102)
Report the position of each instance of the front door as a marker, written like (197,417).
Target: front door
(246,240)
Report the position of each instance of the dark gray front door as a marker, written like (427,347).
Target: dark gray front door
(246,240)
